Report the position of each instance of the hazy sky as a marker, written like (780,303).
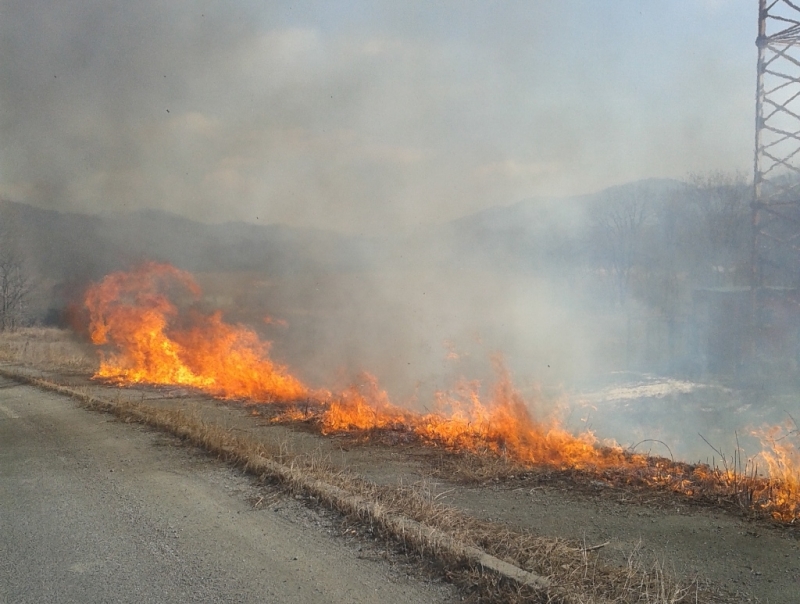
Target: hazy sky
(364,116)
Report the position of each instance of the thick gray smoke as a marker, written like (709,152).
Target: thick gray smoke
(428,174)
(362,117)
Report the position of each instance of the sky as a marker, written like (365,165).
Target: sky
(364,117)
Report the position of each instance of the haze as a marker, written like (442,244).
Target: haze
(408,188)
(364,117)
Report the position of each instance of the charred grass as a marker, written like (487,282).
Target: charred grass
(738,491)
(418,523)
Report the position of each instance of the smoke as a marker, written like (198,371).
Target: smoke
(392,125)
(361,117)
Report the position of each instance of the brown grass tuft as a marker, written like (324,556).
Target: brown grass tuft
(46,348)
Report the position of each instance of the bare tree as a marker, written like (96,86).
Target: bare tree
(15,288)
(16,283)
(723,203)
(619,223)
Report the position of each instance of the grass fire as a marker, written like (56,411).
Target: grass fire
(144,337)
(512,289)
(132,313)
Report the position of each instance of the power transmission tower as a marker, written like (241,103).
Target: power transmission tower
(776,203)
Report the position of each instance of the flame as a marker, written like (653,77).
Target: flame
(504,425)
(452,353)
(146,338)
(782,458)
(462,421)
(364,406)
(272,321)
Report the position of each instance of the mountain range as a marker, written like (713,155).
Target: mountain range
(63,248)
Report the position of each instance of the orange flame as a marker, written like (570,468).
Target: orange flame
(463,421)
(782,458)
(148,339)
(145,337)
(364,407)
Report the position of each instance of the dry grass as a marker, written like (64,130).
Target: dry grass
(737,487)
(731,483)
(46,348)
(413,517)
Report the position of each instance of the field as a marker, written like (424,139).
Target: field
(594,537)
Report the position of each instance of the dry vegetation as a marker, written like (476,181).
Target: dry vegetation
(734,483)
(46,348)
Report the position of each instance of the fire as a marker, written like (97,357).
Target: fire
(463,421)
(364,406)
(782,458)
(504,425)
(146,338)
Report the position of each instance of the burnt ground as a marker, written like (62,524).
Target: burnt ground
(744,558)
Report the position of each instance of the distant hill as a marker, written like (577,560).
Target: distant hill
(69,245)
(532,234)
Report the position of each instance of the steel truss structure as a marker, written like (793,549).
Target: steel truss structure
(776,203)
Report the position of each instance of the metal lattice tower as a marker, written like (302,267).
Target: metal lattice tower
(776,203)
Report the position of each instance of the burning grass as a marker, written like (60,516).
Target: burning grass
(149,326)
(782,457)
(133,316)
(726,484)
(503,429)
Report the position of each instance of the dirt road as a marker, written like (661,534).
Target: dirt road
(96,511)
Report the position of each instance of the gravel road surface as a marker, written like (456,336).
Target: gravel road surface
(92,510)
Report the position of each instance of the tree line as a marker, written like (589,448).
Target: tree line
(657,245)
